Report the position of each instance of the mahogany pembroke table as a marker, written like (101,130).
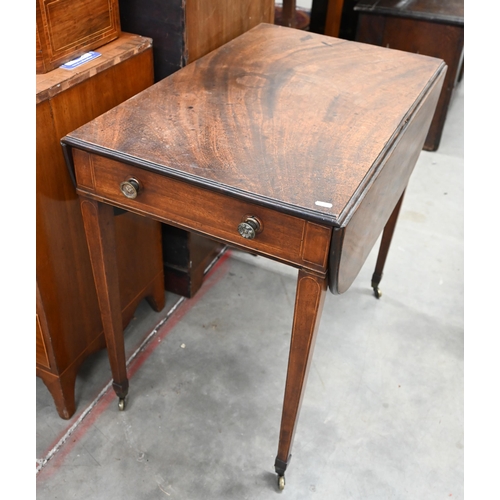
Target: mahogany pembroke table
(291,145)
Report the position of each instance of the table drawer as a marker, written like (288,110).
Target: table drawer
(216,215)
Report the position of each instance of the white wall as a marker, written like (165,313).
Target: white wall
(302,4)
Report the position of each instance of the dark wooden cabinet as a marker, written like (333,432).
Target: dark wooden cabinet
(423,27)
(183,31)
(68,323)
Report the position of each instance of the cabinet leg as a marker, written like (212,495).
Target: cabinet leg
(384,247)
(62,390)
(309,299)
(288,13)
(333,17)
(156,297)
(98,221)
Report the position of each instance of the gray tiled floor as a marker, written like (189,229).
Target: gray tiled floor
(383,413)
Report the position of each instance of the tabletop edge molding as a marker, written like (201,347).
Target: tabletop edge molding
(286,208)
(350,208)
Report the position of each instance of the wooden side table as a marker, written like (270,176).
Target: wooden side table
(423,27)
(227,147)
(68,321)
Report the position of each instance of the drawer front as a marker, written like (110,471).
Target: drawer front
(282,237)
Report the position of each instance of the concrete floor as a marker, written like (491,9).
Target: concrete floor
(383,414)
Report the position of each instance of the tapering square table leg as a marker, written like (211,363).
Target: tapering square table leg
(309,299)
(384,247)
(98,219)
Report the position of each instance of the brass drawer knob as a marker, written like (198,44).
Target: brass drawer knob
(130,188)
(249,228)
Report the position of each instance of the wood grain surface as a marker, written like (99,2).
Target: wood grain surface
(210,24)
(291,120)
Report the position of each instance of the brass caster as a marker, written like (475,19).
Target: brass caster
(281,483)
(121,404)
(377,292)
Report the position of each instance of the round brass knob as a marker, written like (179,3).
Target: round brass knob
(249,228)
(130,188)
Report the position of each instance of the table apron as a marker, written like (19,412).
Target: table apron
(285,238)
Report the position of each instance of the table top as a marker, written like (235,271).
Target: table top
(448,11)
(286,119)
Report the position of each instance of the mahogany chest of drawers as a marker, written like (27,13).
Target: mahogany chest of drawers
(68,326)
